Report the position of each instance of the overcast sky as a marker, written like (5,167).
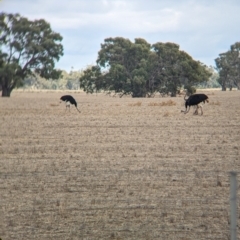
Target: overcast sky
(202,28)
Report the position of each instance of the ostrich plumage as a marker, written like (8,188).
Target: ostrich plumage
(69,100)
(195,100)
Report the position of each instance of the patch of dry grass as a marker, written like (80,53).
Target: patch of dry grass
(166,114)
(164,103)
(137,104)
(214,103)
(54,105)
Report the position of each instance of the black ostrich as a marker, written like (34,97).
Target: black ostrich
(195,100)
(69,100)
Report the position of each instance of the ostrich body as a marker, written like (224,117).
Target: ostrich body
(195,100)
(68,99)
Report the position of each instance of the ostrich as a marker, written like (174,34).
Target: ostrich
(69,100)
(195,100)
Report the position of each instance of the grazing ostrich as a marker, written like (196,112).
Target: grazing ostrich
(69,100)
(195,100)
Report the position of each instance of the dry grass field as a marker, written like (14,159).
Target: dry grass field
(123,168)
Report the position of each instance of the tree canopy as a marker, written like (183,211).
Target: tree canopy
(26,47)
(228,67)
(140,69)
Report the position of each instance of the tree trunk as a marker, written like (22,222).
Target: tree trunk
(238,86)
(139,93)
(6,91)
(224,88)
(173,94)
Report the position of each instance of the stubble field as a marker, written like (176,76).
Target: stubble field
(123,168)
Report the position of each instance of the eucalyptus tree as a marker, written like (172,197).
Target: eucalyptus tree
(228,67)
(27,47)
(141,69)
(125,65)
(178,69)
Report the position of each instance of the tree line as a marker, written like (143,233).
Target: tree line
(29,50)
(67,81)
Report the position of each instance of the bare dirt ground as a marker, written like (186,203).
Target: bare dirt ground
(121,169)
